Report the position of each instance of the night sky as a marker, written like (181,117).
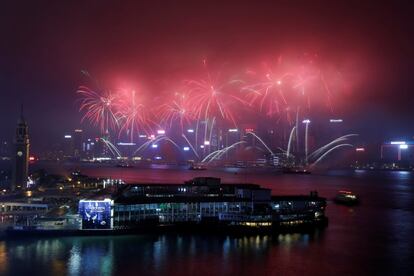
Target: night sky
(45,45)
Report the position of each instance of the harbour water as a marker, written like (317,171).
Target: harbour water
(374,238)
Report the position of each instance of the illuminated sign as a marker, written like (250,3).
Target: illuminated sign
(161,131)
(403,146)
(397,142)
(102,159)
(186,148)
(360,149)
(126,144)
(233,130)
(68,136)
(190,130)
(336,120)
(307,121)
(96,214)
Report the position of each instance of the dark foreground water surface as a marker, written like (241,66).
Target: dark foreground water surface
(375,238)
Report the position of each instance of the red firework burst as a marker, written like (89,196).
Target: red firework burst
(210,97)
(99,108)
(178,109)
(133,114)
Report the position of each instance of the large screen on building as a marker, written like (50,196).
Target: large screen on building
(95,214)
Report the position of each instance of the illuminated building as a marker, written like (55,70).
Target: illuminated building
(77,143)
(201,201)
(4,150)
(22,208)
(68,146)
(88,148)
(20,155)
(399,150)
(126,148)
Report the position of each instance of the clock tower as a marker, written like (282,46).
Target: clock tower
(20,155)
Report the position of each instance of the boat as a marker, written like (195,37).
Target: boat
(346,198)
(296,170)
(197,167)
(124,165)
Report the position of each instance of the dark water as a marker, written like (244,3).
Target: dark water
(375,238)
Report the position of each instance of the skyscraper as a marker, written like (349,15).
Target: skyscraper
(77,143)
(20,155)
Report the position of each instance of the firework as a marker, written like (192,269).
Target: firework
(211,97)
(134,117)
(270,89)
(284,88)
(99,108)
(176,110)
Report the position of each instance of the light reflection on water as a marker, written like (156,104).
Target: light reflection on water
(116,254)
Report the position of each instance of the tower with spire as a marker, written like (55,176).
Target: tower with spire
(20,154)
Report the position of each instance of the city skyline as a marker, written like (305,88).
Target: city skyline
(149,57)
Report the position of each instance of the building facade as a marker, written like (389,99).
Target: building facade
(20,155)
(201,201)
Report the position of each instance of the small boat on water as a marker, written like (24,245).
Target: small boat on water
(124,165)
(346,198)
(197,167)
(296,170)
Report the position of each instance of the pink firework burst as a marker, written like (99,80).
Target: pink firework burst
(211,97)
(177,109)
(289,86)
(98,108)
(133,114)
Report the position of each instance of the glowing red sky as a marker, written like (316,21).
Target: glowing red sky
(46,45)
